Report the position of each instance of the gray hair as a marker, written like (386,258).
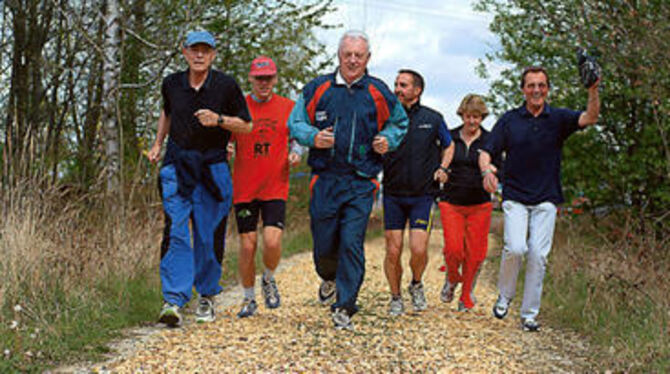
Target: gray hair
(354,34)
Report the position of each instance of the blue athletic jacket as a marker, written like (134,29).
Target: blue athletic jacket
(356,113)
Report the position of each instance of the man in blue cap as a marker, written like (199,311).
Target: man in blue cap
(201,108)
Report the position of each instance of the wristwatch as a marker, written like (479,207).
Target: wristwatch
(220,120)
(445,170)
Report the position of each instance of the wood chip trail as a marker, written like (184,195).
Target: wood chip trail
(299,336)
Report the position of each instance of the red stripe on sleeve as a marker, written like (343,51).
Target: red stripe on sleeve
(311,107)
(383,113)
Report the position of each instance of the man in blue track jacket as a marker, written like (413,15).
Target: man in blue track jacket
(349,119)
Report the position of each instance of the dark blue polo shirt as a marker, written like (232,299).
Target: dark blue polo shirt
(219,93)
(532,146)
(408,171)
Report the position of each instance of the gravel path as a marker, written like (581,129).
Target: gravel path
(299,337)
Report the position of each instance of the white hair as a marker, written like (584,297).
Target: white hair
(354,34)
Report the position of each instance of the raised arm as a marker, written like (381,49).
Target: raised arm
(590,116)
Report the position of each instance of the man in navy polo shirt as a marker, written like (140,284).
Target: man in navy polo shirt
(412,174)
(532,137)
(201,107)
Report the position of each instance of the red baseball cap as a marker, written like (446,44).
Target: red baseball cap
(262,65)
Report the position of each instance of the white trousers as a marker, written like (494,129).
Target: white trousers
(529,230)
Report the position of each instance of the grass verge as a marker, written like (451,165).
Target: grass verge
(607,279)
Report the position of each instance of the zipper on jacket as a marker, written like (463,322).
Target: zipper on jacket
(351,140)
(332,150)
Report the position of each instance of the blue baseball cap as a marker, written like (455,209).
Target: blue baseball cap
(200,37)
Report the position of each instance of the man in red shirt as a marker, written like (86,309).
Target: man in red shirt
(260,182)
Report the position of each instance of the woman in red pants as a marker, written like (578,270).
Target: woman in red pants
(465,207)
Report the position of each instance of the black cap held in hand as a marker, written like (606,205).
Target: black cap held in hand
(589,70)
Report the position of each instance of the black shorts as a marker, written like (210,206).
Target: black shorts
(272,212)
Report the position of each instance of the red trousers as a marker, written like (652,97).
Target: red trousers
(465,229)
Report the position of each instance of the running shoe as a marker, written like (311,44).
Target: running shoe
(530,325)
(447,293)
(327,292)
(170,315)
(342,320)
(270,293)
(205,311)
(248,309)
(418,298)
(500,308)
(396,307)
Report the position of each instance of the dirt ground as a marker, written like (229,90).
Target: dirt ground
(299,336)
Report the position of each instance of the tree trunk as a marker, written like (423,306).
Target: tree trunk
(110,90)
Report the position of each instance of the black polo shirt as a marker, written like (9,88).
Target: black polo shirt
(464,186)
(408,171)
(219,93)
(532,147)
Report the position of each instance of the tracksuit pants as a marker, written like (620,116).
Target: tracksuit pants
(465,229)
(529,231)
(183,265)
(340,209)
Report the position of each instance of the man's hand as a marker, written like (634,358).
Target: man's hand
(380,144)
(324,138)
(441,176)
(154,154)
(293,159)
(230,151)
(490,180)
(207,118)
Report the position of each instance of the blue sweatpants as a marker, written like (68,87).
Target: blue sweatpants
(183,266)
(340,209)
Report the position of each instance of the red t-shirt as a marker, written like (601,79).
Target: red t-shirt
(261,165)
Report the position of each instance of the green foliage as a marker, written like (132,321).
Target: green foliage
(625,159)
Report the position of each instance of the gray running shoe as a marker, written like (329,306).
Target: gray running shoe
(249,307)
(447,293)
(205,311)
(270,293)
(169,315)
(500,308)
(530,325)
(342,320)
(395,307)
(462,308)
(327,292)
(418,298)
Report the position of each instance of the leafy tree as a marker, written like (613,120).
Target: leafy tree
(60,114)
(625,159)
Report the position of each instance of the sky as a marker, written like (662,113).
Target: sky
(442,40)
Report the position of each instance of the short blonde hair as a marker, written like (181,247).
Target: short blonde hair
(473,103)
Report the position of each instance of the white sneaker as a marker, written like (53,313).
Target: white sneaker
(205,311)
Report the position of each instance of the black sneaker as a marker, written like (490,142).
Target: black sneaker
(500,308)
(270,293)
(327,291)
(530,325)
(342,320)
(248,308)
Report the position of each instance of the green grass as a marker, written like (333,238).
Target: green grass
(61,328)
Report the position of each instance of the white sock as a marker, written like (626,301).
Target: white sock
(268,274)
(249,293)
